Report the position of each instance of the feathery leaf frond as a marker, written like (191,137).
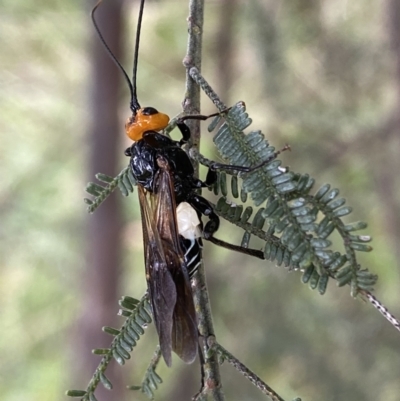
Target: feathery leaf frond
(138,316)
(298,222)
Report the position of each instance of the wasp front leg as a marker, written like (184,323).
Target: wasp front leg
(185,130)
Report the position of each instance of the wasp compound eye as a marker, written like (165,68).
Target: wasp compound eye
(148,111)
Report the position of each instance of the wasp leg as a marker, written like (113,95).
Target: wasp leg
(237,248)
(185,130)
(202,206)
(221,166)
(210,180)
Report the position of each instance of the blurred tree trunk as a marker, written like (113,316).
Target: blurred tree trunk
(224,49)
(223,52)
(394,31)
(387,178)
(100,283)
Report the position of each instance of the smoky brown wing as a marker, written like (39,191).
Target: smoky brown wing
(161,286)
(184,329)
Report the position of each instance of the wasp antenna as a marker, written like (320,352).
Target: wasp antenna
(111,54)
(134,100)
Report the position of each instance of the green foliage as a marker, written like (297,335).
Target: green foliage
(151,379)
(124,181)
(298,222)
(138,316)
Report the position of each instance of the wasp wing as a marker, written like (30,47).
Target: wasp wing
(168,281)
(160,284)
(184,328)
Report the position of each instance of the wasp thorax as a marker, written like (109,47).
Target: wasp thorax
(146,119)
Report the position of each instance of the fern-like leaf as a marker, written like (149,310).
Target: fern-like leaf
(151,379)
(124,181)
(298,223)
(138,316)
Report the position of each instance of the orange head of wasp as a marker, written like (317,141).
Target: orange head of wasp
(145,119)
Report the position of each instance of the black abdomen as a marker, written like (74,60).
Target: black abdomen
(192,253)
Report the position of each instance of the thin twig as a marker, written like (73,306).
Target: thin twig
(201,82)
(191,101)
(211,382)
(382,309)
(151,379)
(191,105)
(247,373)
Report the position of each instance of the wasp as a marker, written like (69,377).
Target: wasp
(171,211)
(171,227)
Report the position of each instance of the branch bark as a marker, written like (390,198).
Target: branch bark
(191,105)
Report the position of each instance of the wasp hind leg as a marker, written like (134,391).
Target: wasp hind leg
(201,205)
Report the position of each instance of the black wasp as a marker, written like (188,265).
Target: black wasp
(171,211)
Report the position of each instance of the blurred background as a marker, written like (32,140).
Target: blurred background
(321,75)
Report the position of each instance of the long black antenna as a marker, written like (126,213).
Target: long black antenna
(134,100)
(134,104)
